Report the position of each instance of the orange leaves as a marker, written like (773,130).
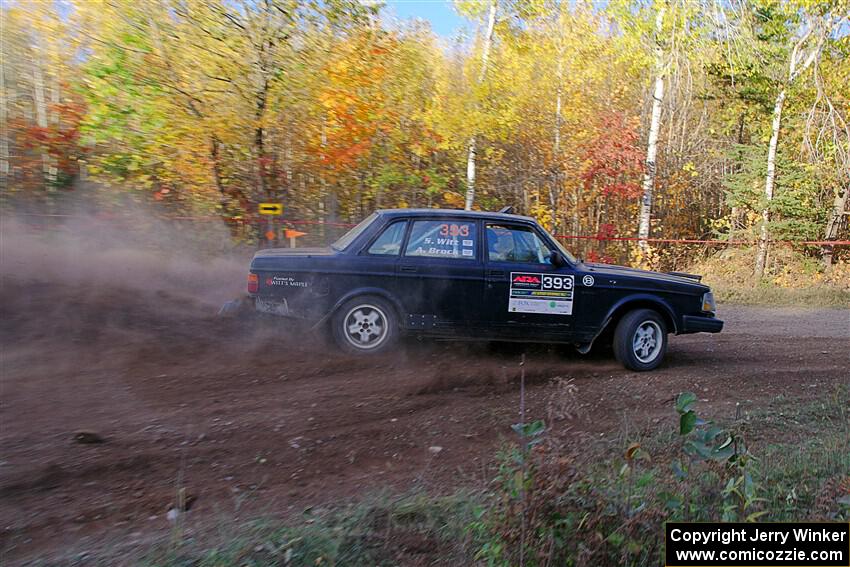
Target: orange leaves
(60,139)
(613,158)
(353,100)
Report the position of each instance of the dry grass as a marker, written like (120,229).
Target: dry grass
(791,278)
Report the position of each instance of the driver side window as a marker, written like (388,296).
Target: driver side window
(515,244)
(389,242)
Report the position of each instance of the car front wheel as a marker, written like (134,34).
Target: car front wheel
(365,325)
(640,340)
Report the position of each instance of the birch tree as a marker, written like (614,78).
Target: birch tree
(4,116)
(654,127)
(472,147)
(805,52)
(650,115)
(563,29)
(827,137)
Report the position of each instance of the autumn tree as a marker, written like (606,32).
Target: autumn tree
(636,118)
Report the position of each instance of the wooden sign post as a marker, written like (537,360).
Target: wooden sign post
(292,235)
(270,210)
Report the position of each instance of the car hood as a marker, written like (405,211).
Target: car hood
(613,271)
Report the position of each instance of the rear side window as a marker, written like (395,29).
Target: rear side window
(352,234)
(515,244)
(442,239)
(389,242)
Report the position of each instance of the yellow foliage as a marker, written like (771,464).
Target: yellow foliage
(542,213)
(647,258)
(453,200)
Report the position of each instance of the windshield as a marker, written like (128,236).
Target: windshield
(572,259)
(352,234)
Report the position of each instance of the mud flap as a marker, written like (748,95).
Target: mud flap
(231,308)
(241,307)
(280,308)
(584,348)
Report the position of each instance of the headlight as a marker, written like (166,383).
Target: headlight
(708,302)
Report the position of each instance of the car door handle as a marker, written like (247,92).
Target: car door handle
(496,274)
(410,269)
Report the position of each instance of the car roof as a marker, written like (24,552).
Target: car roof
(453,213)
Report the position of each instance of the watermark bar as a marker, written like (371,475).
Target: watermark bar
(803,544)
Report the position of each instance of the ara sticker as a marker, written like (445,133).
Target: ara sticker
(588,280)
(550,294)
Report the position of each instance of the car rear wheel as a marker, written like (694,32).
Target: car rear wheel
(640,340)
(365,325)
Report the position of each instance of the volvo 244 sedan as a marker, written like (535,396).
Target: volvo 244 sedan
(476,276)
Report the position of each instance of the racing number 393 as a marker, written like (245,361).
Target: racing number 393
(454,230)
(557,282)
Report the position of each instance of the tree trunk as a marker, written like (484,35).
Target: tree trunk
(55,99)
(470,174)
(4,129)
(471,148)
(761,256)
(327,205)
(576,203)
(259,141)
(839,210)
(260,152)
(654,126)
(839,206)
(798,63)
(40,111)
(555,187)
(216,163)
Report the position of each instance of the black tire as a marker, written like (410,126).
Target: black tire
(365,325)
(640,341)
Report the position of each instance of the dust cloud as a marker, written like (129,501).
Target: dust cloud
(93,273)
(142,255)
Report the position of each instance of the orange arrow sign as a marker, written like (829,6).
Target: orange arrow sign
(293,233)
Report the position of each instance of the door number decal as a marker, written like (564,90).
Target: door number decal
(550,294)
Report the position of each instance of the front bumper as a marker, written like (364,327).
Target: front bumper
(699,324)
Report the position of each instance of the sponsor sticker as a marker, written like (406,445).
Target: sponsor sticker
(285,281)
(550,294)
(588,280)
(526,281)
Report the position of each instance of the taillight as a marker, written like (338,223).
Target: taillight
(253,283)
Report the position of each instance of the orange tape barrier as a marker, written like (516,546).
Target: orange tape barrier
(110,216)
(212,218)
(695,241)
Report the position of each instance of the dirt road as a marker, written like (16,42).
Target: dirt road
(257,418)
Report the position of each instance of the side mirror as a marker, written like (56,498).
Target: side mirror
(557,259)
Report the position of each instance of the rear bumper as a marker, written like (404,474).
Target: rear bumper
(280,307)
(697,324)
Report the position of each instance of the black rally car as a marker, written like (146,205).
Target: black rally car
(475,275)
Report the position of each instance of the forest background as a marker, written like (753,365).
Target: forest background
(718,120)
